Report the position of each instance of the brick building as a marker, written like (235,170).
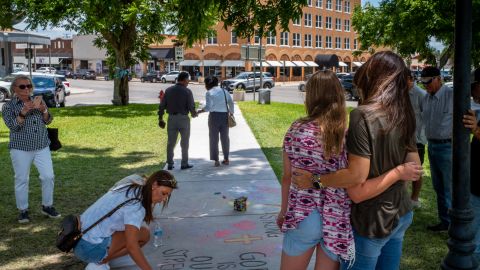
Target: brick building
(324,28)
(58,54)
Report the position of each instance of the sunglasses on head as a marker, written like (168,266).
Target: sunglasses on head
(428,82)
(24,86)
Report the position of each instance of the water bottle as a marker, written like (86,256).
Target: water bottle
(157,235)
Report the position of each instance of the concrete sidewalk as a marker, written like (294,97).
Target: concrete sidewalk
(201,229)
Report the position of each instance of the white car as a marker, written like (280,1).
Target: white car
(171,77)
(5,84)
(46,70)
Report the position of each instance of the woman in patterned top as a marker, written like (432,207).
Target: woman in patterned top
(313,217)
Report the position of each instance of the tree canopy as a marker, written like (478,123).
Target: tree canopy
(408,26)
(126,27)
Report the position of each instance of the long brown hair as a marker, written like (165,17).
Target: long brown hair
(325,104)
(383,86)
(143,193)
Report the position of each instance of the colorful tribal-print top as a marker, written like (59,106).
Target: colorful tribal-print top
(305,151)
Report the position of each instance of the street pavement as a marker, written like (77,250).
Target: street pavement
(201,228)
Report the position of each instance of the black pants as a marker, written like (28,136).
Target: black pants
(218,125)
(421,152)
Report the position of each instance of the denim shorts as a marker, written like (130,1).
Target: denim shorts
(307,235)
(92,253)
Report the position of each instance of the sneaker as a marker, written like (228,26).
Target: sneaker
(217,163)
(185,167)
(416,204)
(50,211)
(23,217)
(440,227)
(170,167)
(96,266)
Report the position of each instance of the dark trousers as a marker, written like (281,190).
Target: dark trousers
(421,152)
(218,125)
(178,123)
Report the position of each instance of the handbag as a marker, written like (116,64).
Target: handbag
(231,118)
(55,143)
(71,229)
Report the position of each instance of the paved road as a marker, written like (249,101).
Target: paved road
(101,92)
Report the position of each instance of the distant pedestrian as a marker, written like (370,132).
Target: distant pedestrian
(27,118)
(178,102)
(437,115)
(472,121)
(381,152)
(123,232)
(219,103)
(315,214)
(416,96)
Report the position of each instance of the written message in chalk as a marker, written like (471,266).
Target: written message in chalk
(176,259)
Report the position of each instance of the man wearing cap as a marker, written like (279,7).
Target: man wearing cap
(471,122)
(437,115)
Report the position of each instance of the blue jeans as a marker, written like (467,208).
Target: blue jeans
(475,201)
(440,156)
(380,253)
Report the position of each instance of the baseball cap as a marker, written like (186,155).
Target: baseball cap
(475,76)
(428,73)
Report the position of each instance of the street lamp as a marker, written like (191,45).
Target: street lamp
(203,58)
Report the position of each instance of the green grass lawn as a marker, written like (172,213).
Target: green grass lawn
(422,249)
(101,145)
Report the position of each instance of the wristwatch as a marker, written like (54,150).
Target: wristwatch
(316,182)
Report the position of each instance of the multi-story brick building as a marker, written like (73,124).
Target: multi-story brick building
(59,54)
(324,28)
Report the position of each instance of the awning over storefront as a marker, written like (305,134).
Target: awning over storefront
(274,63)
(209,63)
(189,63)
(342,64)
(162,53)
(358,64)
(311,64)
(287,64)
(233,63)
(20,37)
(264,64)
(300,63)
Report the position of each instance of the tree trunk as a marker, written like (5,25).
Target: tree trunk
(120,81)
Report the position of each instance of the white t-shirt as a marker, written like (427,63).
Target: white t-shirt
(132,213)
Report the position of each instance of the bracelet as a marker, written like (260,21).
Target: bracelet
(46,111)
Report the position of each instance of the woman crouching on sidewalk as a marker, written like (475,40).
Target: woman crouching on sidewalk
(122,233)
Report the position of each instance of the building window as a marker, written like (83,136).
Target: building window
(296,39)
(328,22)
(338,5)
(308,19)
(318,41)
(346,43)
(297,21)
(256,38)
(347,6)
(319,4)
(271,38)
(355,45)
(329,4)
(212,39)
(347,25)
(328,42)
(308,40)
(233,38)
(338,24)
(318,21)
(338,43)
(284,38)
(309,3)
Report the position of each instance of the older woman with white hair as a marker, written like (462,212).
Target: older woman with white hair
(26,118)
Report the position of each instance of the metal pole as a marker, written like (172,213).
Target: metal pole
(29,46)
(461,233)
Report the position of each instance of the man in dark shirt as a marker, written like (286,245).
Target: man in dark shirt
(178,102)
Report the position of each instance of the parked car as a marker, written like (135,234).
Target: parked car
(150,77)
(5,84)
(46,70)
(446,75)
(246,81)
(68,73)
(86,74)
(51,89)
(301,86)
(171,77)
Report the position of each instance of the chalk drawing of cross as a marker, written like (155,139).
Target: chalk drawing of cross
(246,239)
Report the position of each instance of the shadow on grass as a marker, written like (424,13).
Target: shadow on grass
(82,176)
(133,110)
